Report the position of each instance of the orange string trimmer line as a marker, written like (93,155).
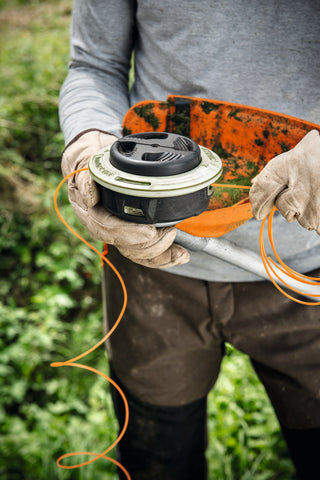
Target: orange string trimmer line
(267,262)
(285,267)
(72,361)
(225,185)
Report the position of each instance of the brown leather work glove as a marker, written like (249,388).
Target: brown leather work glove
(291,182)
(143,244)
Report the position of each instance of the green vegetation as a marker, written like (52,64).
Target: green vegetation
(50,302)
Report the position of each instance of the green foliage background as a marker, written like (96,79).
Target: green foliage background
(50,302)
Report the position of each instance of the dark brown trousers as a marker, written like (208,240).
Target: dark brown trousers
(168,348)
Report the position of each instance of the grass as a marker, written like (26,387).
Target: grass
(50,301)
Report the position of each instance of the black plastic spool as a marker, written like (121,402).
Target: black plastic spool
(158,154)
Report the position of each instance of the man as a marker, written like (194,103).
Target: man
(183,306)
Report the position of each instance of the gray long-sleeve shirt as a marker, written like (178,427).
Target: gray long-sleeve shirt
(265,54)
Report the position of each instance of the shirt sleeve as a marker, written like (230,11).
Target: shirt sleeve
(95,91)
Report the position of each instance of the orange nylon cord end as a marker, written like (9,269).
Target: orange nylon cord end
(72,361)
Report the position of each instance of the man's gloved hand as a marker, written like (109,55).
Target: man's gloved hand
(143,244)
(291,182)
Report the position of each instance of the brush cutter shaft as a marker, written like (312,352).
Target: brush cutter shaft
(240,257)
